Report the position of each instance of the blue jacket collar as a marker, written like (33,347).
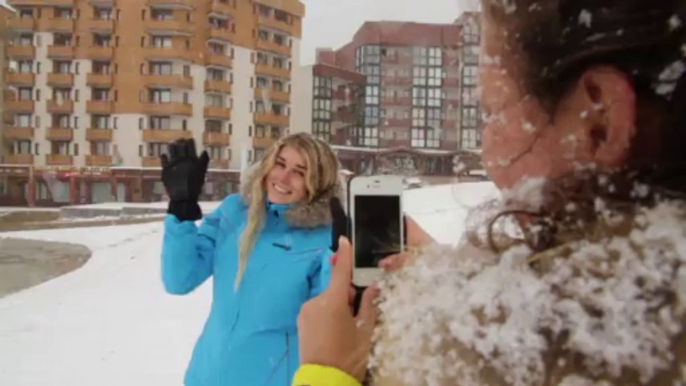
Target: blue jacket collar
(278,209)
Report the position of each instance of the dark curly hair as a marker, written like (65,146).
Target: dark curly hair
(560,39)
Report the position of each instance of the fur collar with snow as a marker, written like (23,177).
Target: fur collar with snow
(304,215)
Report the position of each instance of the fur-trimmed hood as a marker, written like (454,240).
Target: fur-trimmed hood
(310,215)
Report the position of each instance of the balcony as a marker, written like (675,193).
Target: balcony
(173,81)
(397,122)
(168,53)
(220,60)
(397,80)
(217,112)
(175,27)
(165,136)
(18,159)
(100,52)
(99,135)
(59,134)
(219,164)
(21,78)
(55,79)
(99,107)
(266,69)
(168,108)
(19,133)
(19,106)
(22,24)
(270,46)
(99,80)
(399,101)
(151,162)
(271,94)
(59,160)
(271,119)
(221,8)
(220,34)
(187,4)
(216,139)
(42,3)
(101,25)
(60,52)
(21,52)
(61,107)
(98,160)
(263,143)
(218,86)
(272,23)
(59,24)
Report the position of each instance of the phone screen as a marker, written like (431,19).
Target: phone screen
(377,229)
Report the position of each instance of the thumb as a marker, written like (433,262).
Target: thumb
(341,273)
(368,313)
(204,159)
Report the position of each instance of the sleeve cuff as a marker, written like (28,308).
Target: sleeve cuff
(316,375)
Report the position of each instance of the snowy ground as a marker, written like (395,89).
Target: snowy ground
(111,323)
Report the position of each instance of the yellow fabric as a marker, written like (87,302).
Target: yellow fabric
(316,375)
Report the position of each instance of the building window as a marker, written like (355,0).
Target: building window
(160,95)
(425,138)
(102,13)
(61,67)
(213,126)
(469,76)
(161,14)
(160,68)
(102,40)
(157,149)
(161,41)
(469,117)
(215,100)
(471,138)
(159,123)
(215,74)
(100,122)
(101,148)
(63,13)
(101,94)
(322,86)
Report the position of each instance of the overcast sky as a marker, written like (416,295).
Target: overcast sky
(332,23)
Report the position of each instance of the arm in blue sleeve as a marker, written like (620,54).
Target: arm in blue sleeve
(188,252)
(321,279)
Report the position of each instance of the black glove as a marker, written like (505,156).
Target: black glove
(183,175)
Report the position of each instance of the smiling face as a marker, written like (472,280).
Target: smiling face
(286,181)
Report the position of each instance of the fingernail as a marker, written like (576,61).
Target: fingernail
(332,259)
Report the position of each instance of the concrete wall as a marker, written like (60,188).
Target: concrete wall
(301,100)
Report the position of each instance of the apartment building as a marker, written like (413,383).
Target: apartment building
(6,13)
(405,114)
(470,113)
(101,87)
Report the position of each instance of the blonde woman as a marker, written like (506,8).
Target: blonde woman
(266,248)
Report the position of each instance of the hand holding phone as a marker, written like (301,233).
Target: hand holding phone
(376,208)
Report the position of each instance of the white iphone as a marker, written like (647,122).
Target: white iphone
(376,208)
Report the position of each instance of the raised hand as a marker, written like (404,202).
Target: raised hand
(183,175)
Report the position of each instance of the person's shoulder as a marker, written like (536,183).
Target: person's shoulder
(232,203)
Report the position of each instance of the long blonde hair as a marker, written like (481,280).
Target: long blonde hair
(321,177)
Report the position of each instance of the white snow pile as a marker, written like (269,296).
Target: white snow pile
(465,316)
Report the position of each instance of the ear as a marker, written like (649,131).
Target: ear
(608,115)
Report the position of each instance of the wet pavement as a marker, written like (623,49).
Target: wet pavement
(26,263)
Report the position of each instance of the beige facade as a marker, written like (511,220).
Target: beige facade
(102,87)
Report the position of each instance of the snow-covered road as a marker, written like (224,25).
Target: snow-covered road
(111,323)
